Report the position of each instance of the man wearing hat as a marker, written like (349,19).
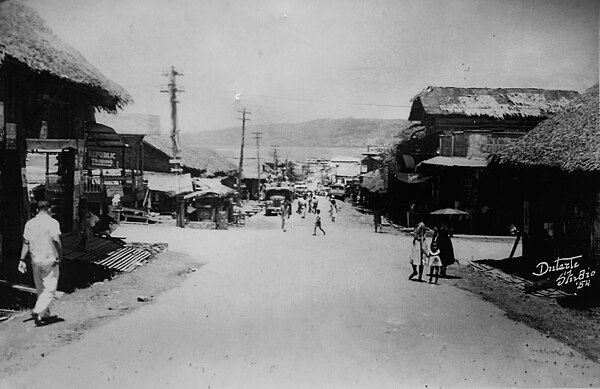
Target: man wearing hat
(41,240)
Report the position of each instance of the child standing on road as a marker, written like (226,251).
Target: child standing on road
(318,223)
(435,263)
(418,253)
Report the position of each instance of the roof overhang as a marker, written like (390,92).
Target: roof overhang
(169,183)
(455,162)
(102,136)
(52,145)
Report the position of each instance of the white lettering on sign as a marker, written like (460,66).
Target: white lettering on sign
(568,273)
(102,158)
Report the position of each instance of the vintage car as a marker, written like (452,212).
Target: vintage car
(274,198)
(301,190)
(338,191)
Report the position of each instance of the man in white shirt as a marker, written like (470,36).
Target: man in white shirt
(41,240)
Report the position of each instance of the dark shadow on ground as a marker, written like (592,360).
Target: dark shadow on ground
(517,266)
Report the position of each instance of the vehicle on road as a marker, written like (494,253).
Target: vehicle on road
(274,198)
(322,190)
(301,190)
(338,191)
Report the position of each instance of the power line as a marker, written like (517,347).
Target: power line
(332,103)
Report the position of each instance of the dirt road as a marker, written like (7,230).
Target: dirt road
(274,309)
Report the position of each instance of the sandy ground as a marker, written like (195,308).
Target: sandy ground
(289,309)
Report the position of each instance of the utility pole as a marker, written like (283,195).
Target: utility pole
(275,155)
(176,161)
(243,119)
(257,137)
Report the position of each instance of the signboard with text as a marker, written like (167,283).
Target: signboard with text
(102,159)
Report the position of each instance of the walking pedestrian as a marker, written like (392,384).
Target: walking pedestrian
(41,242)
(310,202)
(315,204)
(333,210)
(418,253)
(285,213)
(434,262)
(87,220)
(441,237)
(304,205)
(377,219)
(318,223)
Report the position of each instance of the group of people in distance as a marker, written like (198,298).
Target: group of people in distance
(438,255)
(309,202)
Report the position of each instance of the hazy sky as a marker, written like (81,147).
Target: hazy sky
(297,60)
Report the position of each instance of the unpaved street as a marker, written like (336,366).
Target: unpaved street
(274,309)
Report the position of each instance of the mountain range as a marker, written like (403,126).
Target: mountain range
(316,133)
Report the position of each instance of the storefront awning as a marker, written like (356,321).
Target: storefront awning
(455,162)
(51,145)
(169,183)
(210,186)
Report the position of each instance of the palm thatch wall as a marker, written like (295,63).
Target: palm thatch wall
(569,140)
(497,103)
(25,37)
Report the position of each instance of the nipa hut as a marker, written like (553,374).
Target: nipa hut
(462,127)
(48,92)
(558,164)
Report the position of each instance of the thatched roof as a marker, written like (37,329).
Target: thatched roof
(569,140)
(200,158)
(131,123)
(25,37)
(495,103)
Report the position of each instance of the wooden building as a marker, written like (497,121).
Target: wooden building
(130,128)
(211,202)
(460,128)
(198,161)
(558,167)
(48,92)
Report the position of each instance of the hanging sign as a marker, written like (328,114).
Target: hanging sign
(11,136)
(102,159)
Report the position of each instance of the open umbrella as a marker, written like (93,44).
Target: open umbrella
(448,211)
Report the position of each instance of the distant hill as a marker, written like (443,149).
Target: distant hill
(316,133)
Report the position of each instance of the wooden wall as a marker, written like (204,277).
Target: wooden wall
(29,99)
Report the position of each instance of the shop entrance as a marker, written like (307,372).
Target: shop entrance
(50,176)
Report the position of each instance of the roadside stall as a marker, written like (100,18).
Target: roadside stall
(210,205)
(163,188)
